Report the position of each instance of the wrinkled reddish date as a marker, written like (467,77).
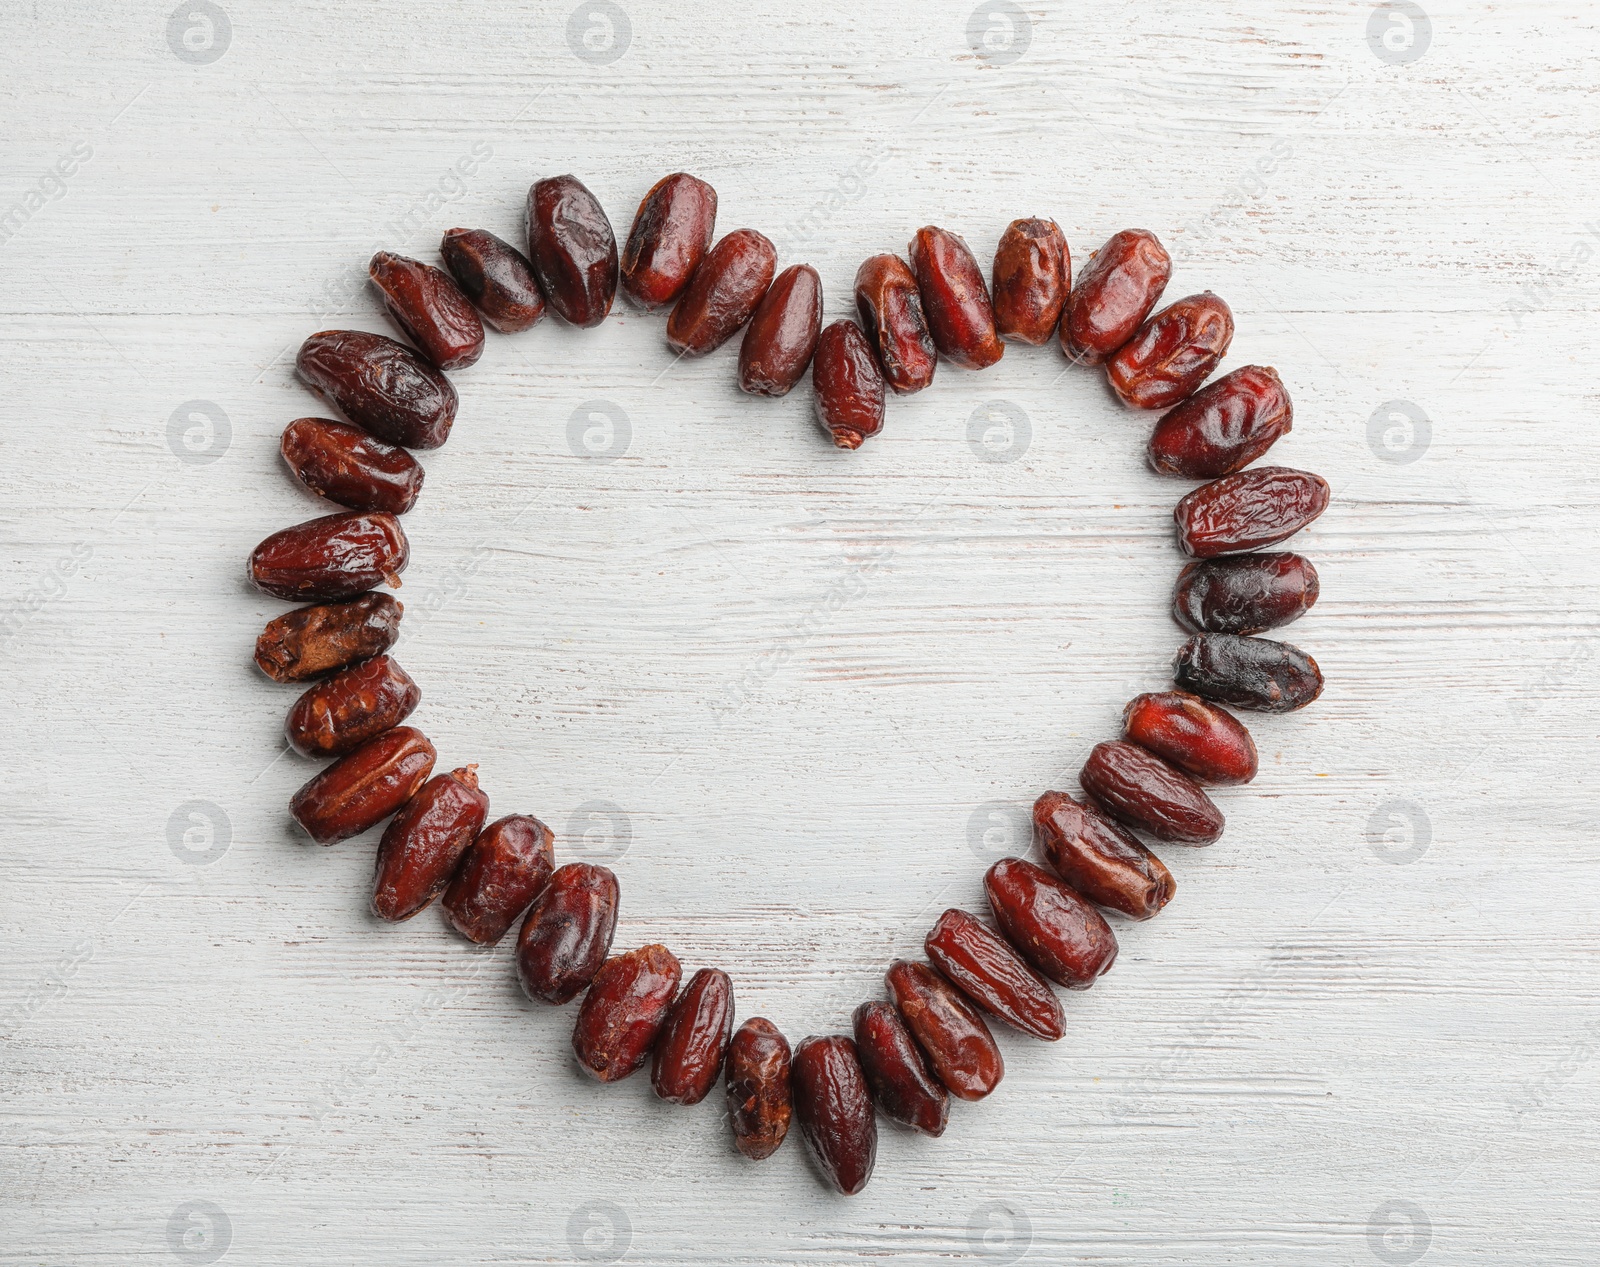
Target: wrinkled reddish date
(1204,741)
(1142,791)
(1099,859)
(429,308)
(1248,510)
(896,1071)
(783,333)
(380,385)
(623,1012)
(847,385)
(955,299)
(834,1106)
(671,233)
(891,315)
(1244,593)
(331,558)
(361,790)
(311,641)
(1120,285)
(1224,426)
(421,847)
(724,291)
(573,250)
(496,277)
(992,975)
(340,714)
(507,867)
(1254,673)
(1171,353)
(758,1096)
(949,1030)
(1032,268)
(567,933)
(1051,926)
(348,466)
(688,1054)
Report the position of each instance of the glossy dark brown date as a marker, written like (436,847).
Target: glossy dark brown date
(1206,742)
(567,933)
(331,558)
(362,789)
(847,386)
(507,867)
(759,1101)
(421,847)
(671,233)
(782,335)
(1244,593)
(1172,353)
(896,1072)
(1224,426)
(496,277)
(1051,925)
(1117,290)
(834,1107)
(1248,510)
(724,291)
(623,1013)
(1099,859)
(949,1030)
(1142,791)
(894,323)
(572,249)
(1032,274)
(312,641)
(342,712)
(380,385)
(348,466)
(989,972)
(1255,673)
(691,1046)
(429,308)
(955,299)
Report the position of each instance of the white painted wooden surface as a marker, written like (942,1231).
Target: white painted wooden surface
(1363,1032)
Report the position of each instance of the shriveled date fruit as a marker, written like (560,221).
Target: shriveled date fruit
(421,847)
(1032,273)
(758,1094)
(847,385)
(311,641)
(429,308)
(1224,426)
(1051,926)
(689,1051)
(1201,739)
(496,277)
(1248,510)
(1099,859)
(1254,673)
(380,385)
(1172,353)
(361,790)
(994,976)
(896,1071)
(567,933)
(834,1106)
(949,1030)
(671,234)
(782,335)
(722,294)
(334,557)
(340,714)
(891,315)
(507,867)
(348,466)
(1244,593)
(623,1012)
(1120,285)
(1142,791)
(955,299)
(573,250)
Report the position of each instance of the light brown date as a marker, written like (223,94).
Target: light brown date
(1244,593)
(507,867)
(1224,426)
(1099,859)
(380,385)
(955,299)
(341,713)
(671,233)
(348,466)
(362,789)
(1051,925)
(1172,353)
(896,1072)
(949,1030)
(1248,510)
(623,1013)
(847,385)
(834,1106)
(567,933)
(984,968)
(573,250)
(496,277)
(1253,673)
(782,335)
(758,1094)
(429,308)
(421,847)
(1203,740)
(312,641)
(1032,274)
(1142,791)
(891,315)
(724,291)
(690,1049)
(1117,290)
(331,558)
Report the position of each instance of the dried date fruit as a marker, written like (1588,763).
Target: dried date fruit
(1051,926)
(421,847)
(331,558)
(782,335)
(671,233)
(1142,791)
(1201,739)
(1099,859)
(429,308)
(567,933)
(955,299)
(507,867)
(362,789)
(573,251)
(1117,290)
(340,714)
(891,315)
(949,1030)
(1032,272)
(1224,426)
(312,641)
(847,385)
(984,967)
(834,1106)
(496,277)
(1172,353)
(1244,593)
(623,1012)
(758,1094)
(382,386)
(348,466)
(1254,673)
(689,1052)
(896,1072)
(724,291)
(1248,510)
